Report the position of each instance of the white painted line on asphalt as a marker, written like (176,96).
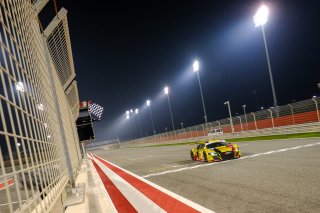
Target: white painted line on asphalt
(139,158)
(166,166)
(242,158)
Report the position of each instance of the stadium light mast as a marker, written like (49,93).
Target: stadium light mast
(166,92)
(148,104)
(196,69)
(259,19)
(137,113)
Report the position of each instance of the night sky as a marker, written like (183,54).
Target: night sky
(126,52)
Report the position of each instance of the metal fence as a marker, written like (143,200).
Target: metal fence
(298,117)
(39,149)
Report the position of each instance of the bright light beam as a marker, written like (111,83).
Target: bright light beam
(166,90)
(195,66)
(261,17)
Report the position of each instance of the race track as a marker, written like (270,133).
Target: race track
(271,176)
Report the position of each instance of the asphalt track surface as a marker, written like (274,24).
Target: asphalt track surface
(271,176)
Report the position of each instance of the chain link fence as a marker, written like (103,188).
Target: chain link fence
(39,148)
(298,117)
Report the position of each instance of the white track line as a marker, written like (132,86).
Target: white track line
(139,158)
(242,158)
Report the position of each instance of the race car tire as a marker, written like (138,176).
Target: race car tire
(192,156)
(205,158)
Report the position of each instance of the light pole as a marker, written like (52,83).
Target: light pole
(181,125)
(137,113)
(260,18)
(245,114)
(231,123)
(128,117)
(148,104)
(166,92)
(196,69)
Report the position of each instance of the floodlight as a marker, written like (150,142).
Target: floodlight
(196,66)
(19,86)
(261,17)
(127,112)
(148,102)
(166,90)
(137,111)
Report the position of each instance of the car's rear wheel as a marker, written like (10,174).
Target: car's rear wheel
(192,156)
(205,158)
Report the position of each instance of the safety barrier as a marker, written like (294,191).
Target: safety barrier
(39,147)
(298,117)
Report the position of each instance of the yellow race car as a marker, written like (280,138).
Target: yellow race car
(215,150)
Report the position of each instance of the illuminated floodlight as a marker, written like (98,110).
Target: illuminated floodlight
(19,86)
(261,17)
(49,136)
(127,112)
(131,111)
(45,125)
(128,116)
(148,102)
(314,97)
(195,66)
(166,90)
(19,144)
(137,111)
(40,107)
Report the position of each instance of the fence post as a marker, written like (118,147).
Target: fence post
(204,130)
(219,124)
(240,123)
(58,113)
(271,117)
(316,102)
(197,130)
(255,121)
(291,108)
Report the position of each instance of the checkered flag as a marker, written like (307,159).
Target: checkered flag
(96,110)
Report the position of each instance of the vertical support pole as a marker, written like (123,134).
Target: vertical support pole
(292,116)
(316,103)
(240,123)
(204,130)
(197,131)
(58,113)
(271,117)
(255,121)
(84,151)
